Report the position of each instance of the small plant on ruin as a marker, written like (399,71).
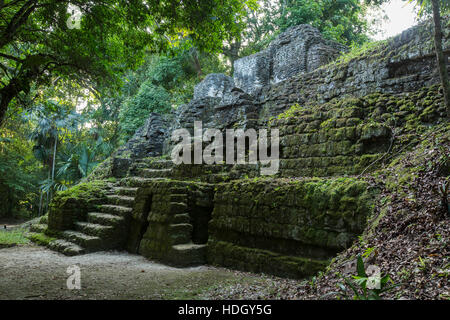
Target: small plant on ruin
(443,191)
(364,286)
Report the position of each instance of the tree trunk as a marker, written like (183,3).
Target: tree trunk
(40,202)
(232,53)
(54,159)
(197,65)
(6,95)
(10,91)
(53,167)
(441,61)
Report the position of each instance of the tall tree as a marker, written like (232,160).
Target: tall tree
(38,40)
(441,59)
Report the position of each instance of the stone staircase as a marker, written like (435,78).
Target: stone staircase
(184,252)
(102,230)
(107,228)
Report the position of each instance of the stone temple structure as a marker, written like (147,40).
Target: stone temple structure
(335,119)
(299,50)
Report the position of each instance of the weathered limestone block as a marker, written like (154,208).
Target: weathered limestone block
(236,109)
(253,72)
(215,85)
(72,205)
(286,227)
(147,141)
(301,49)
(405,63)
(170,222)
(347,136)
(298,50)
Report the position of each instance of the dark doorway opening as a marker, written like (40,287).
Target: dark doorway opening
(200,217)
(143,225)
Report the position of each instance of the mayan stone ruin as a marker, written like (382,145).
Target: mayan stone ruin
(334,118)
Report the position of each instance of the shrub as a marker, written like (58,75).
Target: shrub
(135,111)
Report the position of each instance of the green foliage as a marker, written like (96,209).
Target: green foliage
(167,71)
(13,237)
(260,28)
(85,138)
(40,238)
(162,83)
(343,21)
(135,111)
(19,171)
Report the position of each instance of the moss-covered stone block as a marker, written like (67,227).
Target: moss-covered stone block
(73,204)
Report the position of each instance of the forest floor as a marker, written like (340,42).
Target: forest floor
(10,223)
(32,272)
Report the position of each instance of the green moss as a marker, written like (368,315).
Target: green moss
(12,237)
(40,238)
(285,219)
(346,136)
(374,130)
(73,204)
(330,123)
(84,192)
(369,49)
(258,260)
(102,171)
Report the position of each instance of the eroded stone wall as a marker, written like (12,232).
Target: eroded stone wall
(298,50)
(402,64)
(296,68)
(346,136)
(165,222)
(286,227)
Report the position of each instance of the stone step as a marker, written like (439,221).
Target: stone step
(178,190)
(124,191)
(66,247)
(155,173)
(104,219)
(116,210)
(182,218)
(177,207)
(217,178)
(158,164)
(95,230)
(90,243)
(188,254)
(139,181)
(178,198)
(38,228)
(121,200)
(180,233)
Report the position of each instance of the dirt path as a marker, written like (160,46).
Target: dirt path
(33,272)
(10,223)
